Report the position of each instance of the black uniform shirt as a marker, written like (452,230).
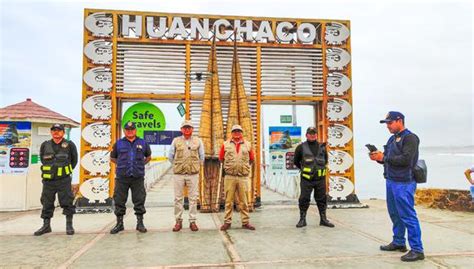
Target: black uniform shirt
(313,146)
(72,151)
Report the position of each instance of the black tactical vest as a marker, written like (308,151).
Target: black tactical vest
(55,164)
(313,166)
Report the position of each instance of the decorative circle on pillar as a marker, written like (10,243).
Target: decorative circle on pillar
(339,135)
(340,188)
(336,33)
(99,51)
(338,109)
(337,58)
(337,84)
(339,161)
(99,24)
(95,189)
(99,79)
(98,106)
(97,162)
(97,134)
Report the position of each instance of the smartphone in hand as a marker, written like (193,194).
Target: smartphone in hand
(371,148)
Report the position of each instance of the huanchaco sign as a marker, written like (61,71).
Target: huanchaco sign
(321,49)
(195,28)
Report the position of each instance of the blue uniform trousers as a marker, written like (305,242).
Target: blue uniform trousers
(401,208)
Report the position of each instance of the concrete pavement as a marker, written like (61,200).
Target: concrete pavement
(448,239)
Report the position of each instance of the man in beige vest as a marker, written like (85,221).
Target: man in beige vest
(236,155)
(187,155)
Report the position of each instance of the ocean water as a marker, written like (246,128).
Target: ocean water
(446,166)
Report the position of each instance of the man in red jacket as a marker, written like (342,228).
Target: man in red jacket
(236,155)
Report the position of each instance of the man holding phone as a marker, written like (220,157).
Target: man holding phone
(399,157)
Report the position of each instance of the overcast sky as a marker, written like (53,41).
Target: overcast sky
(411,56)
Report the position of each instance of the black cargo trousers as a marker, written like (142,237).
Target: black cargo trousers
(137,186)
(318,185)
(62,187)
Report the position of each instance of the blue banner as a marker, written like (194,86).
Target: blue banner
(160,137)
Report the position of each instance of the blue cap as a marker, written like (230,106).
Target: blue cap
(393,115)
(129,125)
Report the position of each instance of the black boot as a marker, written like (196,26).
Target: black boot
(140,226)
(413,256)
(69,228)
(393,247)
(302,221)
(324,221)
(119,226)
(46,228)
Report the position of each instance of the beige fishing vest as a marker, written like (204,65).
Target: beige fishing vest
(237,164)
(186,157)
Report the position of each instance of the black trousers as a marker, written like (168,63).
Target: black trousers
(122,185)
(319,187)
(65,196)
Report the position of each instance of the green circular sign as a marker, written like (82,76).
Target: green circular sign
(146,116)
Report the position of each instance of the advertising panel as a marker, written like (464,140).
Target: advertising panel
(283,142)
(15,142)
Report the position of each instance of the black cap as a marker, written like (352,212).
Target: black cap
(393,115)
(130,125)
(311,130)
(57,126)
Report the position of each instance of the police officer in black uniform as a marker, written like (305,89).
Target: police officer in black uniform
(311,158)
(58,158)
(130,153)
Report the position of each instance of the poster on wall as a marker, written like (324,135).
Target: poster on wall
(283,142)
(15,142)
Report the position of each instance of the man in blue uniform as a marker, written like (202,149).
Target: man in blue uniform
(58,159)
(130,153)
(399,157)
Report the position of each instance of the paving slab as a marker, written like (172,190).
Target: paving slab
(454,261)
(29,222)
(154,249)
(47,251)
(376,222)
(347,262)
(354,242)
(273,244)
(162,218)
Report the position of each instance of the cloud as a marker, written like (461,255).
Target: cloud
(413,56)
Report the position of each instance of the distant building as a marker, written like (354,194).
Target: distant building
(23,127)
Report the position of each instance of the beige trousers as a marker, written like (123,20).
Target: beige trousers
(231,185)
(192,182)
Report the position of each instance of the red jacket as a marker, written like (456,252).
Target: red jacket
(237,148)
